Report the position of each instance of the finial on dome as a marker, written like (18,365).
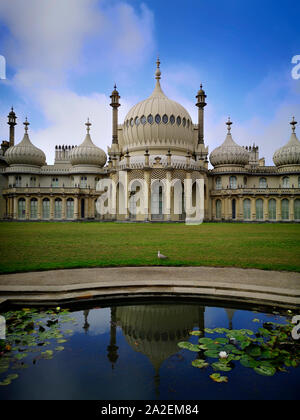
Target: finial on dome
(26,123)
(88,125)
(229,125)
(293,124)
(158,72)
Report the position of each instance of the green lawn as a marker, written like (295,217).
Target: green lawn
(42,246)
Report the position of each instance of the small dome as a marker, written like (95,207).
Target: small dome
(158,122)
(87,153)
(229,153)
(290,153)
(25,153)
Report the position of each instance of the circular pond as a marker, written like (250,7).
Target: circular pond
(167,350)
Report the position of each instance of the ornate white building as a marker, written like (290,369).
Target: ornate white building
(157,142)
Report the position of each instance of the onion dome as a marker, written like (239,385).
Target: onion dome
(229,153)
(290,153)
(157,122)
(25,153)
(87,153)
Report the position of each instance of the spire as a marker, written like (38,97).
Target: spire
(229,123)
(158,72)
(12,122)
(26,124)
(293,124)
(88,125)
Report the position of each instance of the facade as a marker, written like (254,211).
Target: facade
(159,150)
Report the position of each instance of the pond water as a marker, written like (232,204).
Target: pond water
(130,352)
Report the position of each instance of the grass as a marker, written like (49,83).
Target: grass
(49,245)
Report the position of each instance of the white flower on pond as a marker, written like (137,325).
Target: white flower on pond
(223,355)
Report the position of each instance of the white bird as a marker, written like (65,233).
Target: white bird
(161,256)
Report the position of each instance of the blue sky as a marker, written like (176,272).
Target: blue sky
(64,56)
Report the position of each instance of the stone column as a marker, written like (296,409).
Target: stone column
(75,208)
(64,208)
(278,209)
(27,208)
(51,208)
(253,209)
(168,196)
(291,208)
(147,198)
(39,209)
(265,209)
(15,207)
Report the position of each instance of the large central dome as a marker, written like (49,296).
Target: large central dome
(158,124)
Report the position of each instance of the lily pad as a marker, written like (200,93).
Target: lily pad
(216,377)
(224,367)
(265,370)
(200,363)
(188,346)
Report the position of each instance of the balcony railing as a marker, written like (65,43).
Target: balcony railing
(255,191)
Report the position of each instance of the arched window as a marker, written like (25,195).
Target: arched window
(259,207)
(172,119)
(218,183)
(232,182)
(33,208)
(157,119)
(157,200)
(285,214)
(18,180)
(70,208)
(57,208)
(218,209)
(165,119)
(137,121)
(46,208)
(178,121)
(272,209)
(247,209)
(32,181)
(262,183)
(285,182)
(297,209)
(143,120)
(298,181)
(245,181)
(83,182)
(150,119)
(21,208)
(54,182)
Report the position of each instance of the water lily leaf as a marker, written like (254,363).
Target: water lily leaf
(221,330)
(59,348)
(20,356)
(12,376)
(209,331)
(263,332)
(265,370)
(221,366)
(205,340)
(221,340)
(216,377)
(5,382)
(61,341)
(196,333)
(248,361)
(188,346)
(255,320)
(200,363)
(253,351)
(211,353)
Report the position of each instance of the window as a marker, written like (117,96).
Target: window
(272,209)
(21,208)
(137,121)
(178,121)
(299,182)
(232,182)
(285,214)
(297,209)
(150,119)
(245,181)
(46,208)
(157,119)
(18,181)
(33,208)
(32,181)
(218,183)
(218,209)
(131,122)
(57,208)
(70,208)
(262,183)
(233,208)
(165,119)
(188,123)
(83,182)
(143,120)
(285,182)
(259,206)
(54,182)
(247,207)
(172,119)
(184,122)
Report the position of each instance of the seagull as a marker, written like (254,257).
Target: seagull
(161,256)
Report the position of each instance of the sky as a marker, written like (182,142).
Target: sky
(63,58)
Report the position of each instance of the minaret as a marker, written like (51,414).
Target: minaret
(115,97)
(112,348)
(293,124)
(201,104)
(12,122)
